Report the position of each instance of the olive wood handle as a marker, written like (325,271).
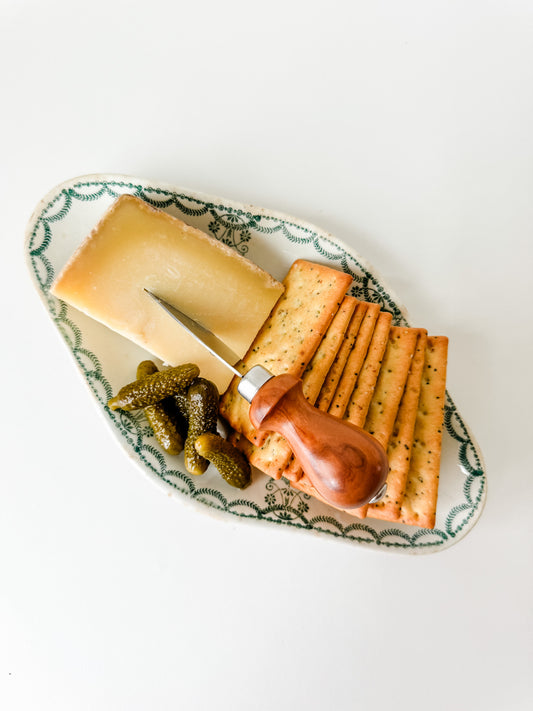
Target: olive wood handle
(345,464)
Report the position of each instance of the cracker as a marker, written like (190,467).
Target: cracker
(359,400)
(420,500)
(273,455)
(329,386)
(390,384)
(291,334)
(354,361)
(401,440)
(328,349)
(238,440)
(293,471)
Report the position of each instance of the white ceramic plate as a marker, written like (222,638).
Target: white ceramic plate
(66,216)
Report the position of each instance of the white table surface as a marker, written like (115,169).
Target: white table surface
(405,129)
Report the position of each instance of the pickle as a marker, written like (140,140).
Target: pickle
(162,416)
(202,408)
(154,388)
(181,402)
(230,462)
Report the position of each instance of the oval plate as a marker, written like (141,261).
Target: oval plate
(66,216)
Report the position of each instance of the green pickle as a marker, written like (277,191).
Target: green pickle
(202,409)
(182,406)
(161,416)
(154,388)
(146,368)
(230,462)
(182,410)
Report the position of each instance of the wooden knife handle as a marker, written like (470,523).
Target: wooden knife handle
(345,464)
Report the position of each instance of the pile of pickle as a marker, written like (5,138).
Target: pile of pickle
(182,409)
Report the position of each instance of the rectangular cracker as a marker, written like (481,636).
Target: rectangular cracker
(273,455)
(359,400)
(361,396)
(401,440)
(250,452)
(390,384)
(329,386)
(328,349)
(238,440)
(290,335)
(419,504)
(293,471)
(339,400)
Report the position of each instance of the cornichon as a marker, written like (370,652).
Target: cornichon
(181,401)
(154,388)
(161,416)
(202,409)
(230,462)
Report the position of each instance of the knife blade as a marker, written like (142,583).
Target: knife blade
(347,466)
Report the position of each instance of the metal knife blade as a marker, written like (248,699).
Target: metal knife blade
(213,344)
(250,382)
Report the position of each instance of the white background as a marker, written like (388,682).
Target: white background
(406,130)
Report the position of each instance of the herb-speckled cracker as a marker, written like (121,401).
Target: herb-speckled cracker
(401,440)
(336,402)
(390,384)
(420,500)
(291,334)
(359,400)
(334,374)
(328,349)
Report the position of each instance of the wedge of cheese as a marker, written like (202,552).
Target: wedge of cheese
(136,246)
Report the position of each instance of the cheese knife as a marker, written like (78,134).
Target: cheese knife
(346,465)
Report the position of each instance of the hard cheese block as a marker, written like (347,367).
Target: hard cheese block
(136,246)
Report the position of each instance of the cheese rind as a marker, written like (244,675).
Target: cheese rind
(136,246)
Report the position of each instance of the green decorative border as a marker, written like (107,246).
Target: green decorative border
(235,227)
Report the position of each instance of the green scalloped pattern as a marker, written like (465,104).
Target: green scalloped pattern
(282,504)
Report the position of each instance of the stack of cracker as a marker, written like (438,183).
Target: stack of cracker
(355,364)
